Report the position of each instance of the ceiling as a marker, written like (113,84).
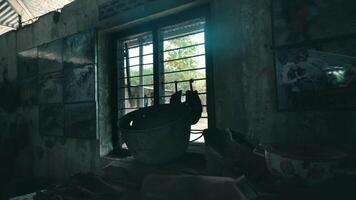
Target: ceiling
(29,10)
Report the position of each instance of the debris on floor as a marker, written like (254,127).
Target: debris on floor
(189,187)
(25,197)
(88,187)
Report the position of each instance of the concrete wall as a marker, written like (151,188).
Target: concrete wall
(244,72)
(56,158)
(244,76)
(44,157)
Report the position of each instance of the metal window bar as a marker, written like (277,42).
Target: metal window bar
(144,75)
(135,108)
(128,69)
(160,51)
(184,35)
(138,43)
(148,54)
(144,85)
(133,98)
(183,81)
(184,47)
(196,129)
(183,95)
(136,46)
(196,133)
(187,70)
(137,65)
(184,70)
(183,58)
(142,89)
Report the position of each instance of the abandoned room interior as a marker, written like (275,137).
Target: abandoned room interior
(177,99)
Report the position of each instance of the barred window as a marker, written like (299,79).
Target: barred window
(152,63)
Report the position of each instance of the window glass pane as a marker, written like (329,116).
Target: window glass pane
(184,64)
(199,86)
(134,61)
(184,52)
(148,49)
(184,59)
(148,59)
(193,39)
(147,69)
(185,75)
(133,52)
(205,111)
(146,80)
(134,102)
(137,74)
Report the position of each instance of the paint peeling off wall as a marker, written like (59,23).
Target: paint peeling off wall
(114,7)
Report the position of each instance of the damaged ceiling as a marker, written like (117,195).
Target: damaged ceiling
(28,10)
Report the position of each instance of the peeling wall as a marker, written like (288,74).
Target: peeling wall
(51,158)
(46,158)
(245,87)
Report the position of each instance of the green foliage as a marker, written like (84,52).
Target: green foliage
(184,64)
(177,65)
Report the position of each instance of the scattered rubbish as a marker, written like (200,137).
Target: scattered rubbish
(229,153)
(301,164)
(190,187)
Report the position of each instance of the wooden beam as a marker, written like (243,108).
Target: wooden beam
(6,26)
(21,9)
(10,21)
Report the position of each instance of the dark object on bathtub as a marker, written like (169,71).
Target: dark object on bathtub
(194,102)
(157,134)
(176,98)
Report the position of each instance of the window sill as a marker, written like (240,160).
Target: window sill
(194,148)
(197,148)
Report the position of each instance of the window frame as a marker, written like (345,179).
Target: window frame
(154,27)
